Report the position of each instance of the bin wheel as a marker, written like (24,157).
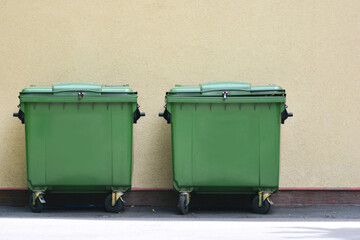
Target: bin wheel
(260,210)
(38,207)
(182,205)
(119,205)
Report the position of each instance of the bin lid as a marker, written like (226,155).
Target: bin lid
(75,92)
(232,88)
(78,87)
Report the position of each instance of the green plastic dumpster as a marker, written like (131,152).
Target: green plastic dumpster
(78,140)
(226,139)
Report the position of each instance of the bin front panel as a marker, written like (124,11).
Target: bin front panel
(122,135)
(269,125)
(225,145)
(35,143)
(182,143)
(79,144)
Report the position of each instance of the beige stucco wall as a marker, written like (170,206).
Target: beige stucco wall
(311,48)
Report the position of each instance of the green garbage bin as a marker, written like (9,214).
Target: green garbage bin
(226,139)
(78,140)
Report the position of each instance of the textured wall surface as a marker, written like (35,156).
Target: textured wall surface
(311,48)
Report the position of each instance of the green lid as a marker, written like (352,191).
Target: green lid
(73,92)
(78,87)
(231,88)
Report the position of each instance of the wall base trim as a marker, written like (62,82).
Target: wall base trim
(19,197)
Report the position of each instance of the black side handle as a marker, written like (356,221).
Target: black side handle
(285,115)
(20,115)
(138,114)
(167,115)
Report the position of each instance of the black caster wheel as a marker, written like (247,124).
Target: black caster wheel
(265,207)
(119,205)
(182,205)
(38,207)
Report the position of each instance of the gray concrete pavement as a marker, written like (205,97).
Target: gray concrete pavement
(308,213)
(320,222)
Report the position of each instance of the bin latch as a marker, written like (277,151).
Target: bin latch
(138,114)
(225,94)
(285,115)
(166,114)
(80,95)
(20,115)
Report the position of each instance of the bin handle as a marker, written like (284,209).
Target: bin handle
(137,114)
(20,115)
(91,91)
(167,115)
(285,114)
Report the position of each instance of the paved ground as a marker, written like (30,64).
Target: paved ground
(320,222)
